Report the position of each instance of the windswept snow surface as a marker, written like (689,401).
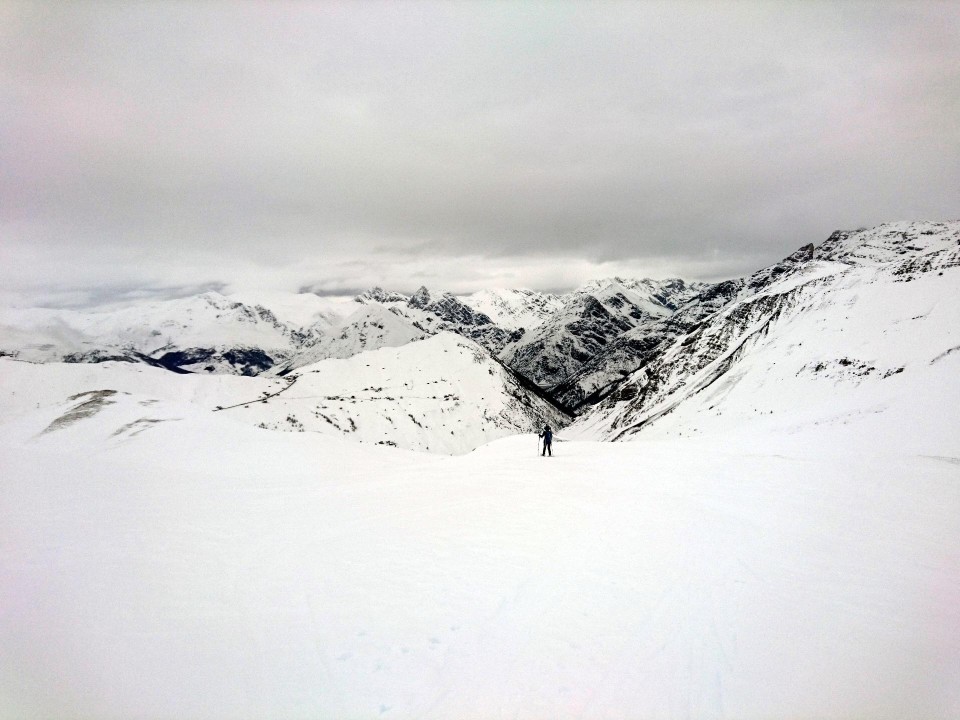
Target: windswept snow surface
(158,560)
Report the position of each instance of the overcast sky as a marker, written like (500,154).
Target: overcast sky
(157,148)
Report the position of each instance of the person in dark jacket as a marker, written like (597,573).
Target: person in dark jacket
(547,436)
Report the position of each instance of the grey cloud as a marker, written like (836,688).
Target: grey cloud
(703,137)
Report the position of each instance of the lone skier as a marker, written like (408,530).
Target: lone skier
(547,436)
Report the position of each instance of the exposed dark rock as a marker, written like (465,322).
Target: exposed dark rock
(420,299)
(249,361)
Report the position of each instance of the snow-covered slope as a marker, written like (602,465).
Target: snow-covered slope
(847,329)
(299,310)
(162,561)
(513,309)
(602,372)
(656,298)
(369,327)
(444,394)
(204,327)
(433,313)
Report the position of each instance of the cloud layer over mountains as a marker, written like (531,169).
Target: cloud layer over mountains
(338,146)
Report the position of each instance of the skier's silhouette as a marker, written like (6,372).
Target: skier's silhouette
(547,436)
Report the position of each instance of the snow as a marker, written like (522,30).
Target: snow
(619,299)
(443,394)
(848,351)
(367,327)
(778,538)
(204,569)
(300,310)
(515,308)
(206,320)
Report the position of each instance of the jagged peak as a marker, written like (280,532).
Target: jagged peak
(378,295)
(801,255)
(420,299)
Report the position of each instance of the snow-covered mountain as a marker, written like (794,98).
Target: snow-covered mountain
(543,336)
(516,309)
(848,328)
(445,394)
(656,298)
(299,310)
(600,374)
(207,332)
(591,318)
(439,312)
(370,326)
(389,319)
(579,346)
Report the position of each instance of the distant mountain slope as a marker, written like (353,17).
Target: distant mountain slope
(369,327)
(601,373)
(515,309)
(579,346)
(654,297)
(443,394)
(198,332)
(591,318)
(432,313)
(299,310)
(387,319)
(830,334)
(211,333)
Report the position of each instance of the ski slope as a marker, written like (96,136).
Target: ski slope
(197,567)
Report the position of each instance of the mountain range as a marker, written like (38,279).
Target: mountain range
(618,354)
(269,505)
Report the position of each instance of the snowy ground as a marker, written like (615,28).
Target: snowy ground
(201,568)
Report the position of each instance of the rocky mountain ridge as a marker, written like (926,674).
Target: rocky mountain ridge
(608,341)
(800,313)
